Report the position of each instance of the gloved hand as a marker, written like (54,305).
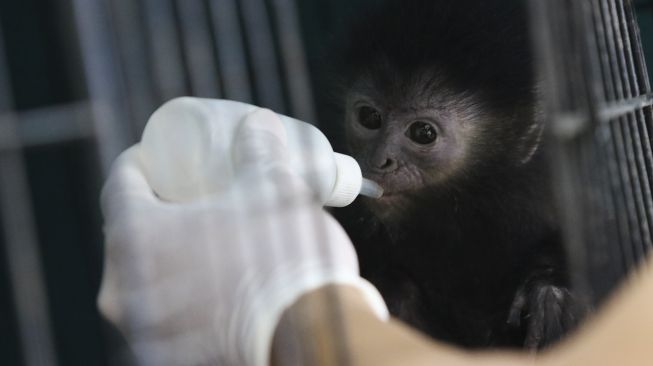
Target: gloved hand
(206,282)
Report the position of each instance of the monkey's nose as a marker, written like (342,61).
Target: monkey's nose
(386,165)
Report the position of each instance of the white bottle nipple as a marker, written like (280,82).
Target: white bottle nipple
(371,189)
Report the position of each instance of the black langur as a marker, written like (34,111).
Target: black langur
(440,108)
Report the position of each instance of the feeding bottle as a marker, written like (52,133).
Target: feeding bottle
(186,153)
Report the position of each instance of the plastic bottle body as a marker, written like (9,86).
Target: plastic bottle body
(186,147)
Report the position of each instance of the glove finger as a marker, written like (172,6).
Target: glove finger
(126,184)
(260,144)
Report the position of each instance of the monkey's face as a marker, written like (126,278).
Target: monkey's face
(407,146)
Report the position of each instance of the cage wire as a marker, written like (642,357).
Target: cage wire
(598,104)
(136,54)
(128,57)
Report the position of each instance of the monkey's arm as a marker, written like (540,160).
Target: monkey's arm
(312,332)
(621,334)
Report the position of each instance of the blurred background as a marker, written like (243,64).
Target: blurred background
(78,81)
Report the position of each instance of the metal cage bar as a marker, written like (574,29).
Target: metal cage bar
(232,59)
(294,60)
(134,55)
(598,102)
(263,58)
(198,48)
(102,74)
(165,53)
(21,244)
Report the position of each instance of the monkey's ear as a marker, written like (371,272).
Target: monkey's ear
(531,140)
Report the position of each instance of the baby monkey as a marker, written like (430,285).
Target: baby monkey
(440,108)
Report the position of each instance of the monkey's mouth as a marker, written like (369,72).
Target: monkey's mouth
(393,190)
(391,196)
(394,187)
(389,205)
(390,192)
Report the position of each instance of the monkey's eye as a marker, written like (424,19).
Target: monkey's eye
(422,133)
(369,118)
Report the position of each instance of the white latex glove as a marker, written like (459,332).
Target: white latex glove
(207,282)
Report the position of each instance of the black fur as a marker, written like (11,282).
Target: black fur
(482,46)
(478,260)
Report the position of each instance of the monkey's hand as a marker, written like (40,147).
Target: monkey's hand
(206,282)
(544,311)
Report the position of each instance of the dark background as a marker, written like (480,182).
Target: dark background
(65,178)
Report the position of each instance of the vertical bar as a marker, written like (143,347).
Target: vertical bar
(645,84)
(551,42)
(25,270)
(294,60)
(198,47)
(230,50)
(590,61)
(301,104)
(645,120)
(604,91)
(163,44)
(104,79)
(575,57)
(635,198)
(603,226)
(561,60)
(632,247)
(608,32)
(641,85)
(610,214)
(130,33)
(605,137)
(548,67)
(639,134)
(624,30)
(269,91)
(584,86)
